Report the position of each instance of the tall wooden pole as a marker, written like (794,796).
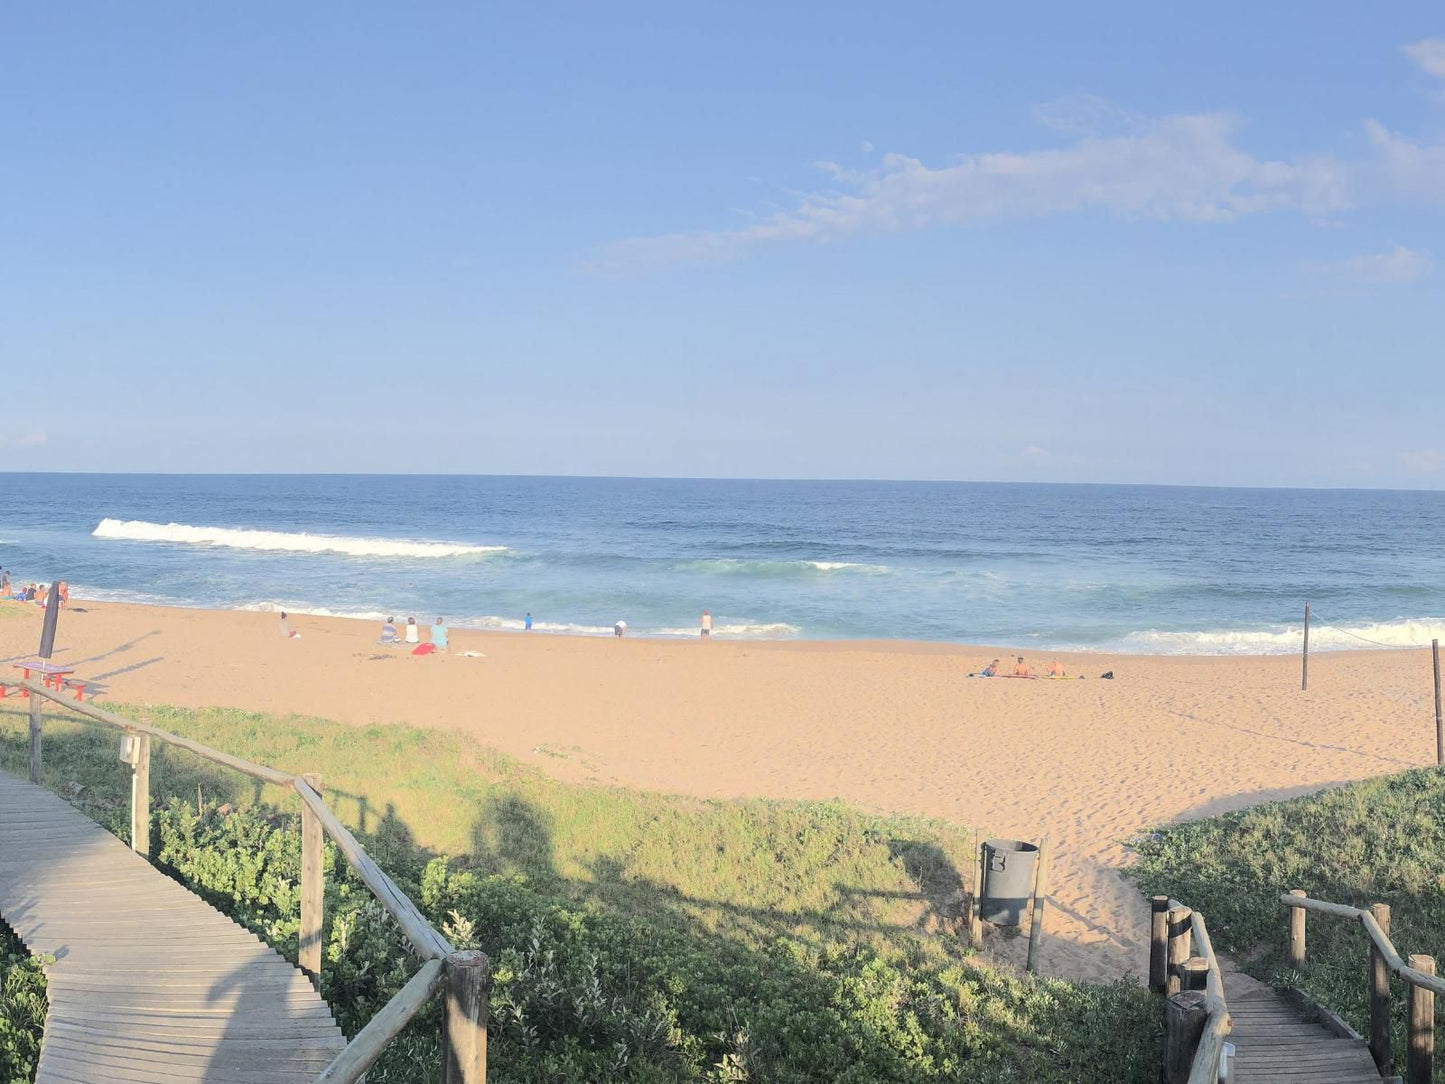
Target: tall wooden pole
(1295,953)
(35,702)
(1158,943)
(1439,729)
(1304,681)
(469,983)
(1380,994)
(1420,1053)
(140,797)
(308,954)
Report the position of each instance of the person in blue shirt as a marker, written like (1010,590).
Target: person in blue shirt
(439,635)
(528,627)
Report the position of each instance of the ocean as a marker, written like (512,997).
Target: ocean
(1150,569)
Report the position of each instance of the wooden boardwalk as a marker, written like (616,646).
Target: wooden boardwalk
(150,985)
(1274,1044)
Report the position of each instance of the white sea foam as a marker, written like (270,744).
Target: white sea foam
(1285,639)
(775,630)
(273,607)
(283,541)
(733,566)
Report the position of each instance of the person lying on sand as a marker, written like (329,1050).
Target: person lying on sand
(1022,669)
(1055,669)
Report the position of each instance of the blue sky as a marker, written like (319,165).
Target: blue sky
(1068,242)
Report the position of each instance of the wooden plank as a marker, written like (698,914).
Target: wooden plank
(151,985)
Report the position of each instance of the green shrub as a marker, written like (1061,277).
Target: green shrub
(22,1010)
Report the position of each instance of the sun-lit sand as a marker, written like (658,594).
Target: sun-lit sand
(889,726)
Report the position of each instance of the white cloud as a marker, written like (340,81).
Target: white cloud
(1429,55)
(32,439)
(1424,461)
(1400,264)
(867,146)
(1033,451)
(1414,170)
(1181,167)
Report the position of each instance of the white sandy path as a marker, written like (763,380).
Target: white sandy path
(891,726)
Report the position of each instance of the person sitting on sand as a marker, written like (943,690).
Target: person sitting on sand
(413,634)
(1022,669)
(1055,669)
(388,631)
(991,670)
(287,632)
(439,635)
(40,595)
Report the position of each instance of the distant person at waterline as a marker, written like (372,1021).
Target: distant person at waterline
(413,634)
(439,635)
(527,623)
(706,632)
(620,629)
(388,631)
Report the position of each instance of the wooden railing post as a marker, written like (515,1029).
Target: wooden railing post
(1180,930)
(469,984)
(1158,943)
(1184,1020)
(1195,973)
(140,796)
(1295,954)
(1380,994)
(308,954)
(1420,1053)
(1036,912)
(35,703)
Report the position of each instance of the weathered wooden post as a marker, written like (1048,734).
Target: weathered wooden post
(140,796)
(1158,943)
(1195,974)
(1439,728)
(35,702)
(1295,956)
(975,925)
(308,954)
(1184,1020)
(1420,1052)
(1380,994)
(1036,920)
(1180,930)
(1304,681)
(469,984)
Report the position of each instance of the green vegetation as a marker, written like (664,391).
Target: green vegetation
(1380,841)
(634,936)
(22,1010)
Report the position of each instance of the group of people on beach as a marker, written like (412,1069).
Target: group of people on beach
(37,593)
(411,634)
(1055,669)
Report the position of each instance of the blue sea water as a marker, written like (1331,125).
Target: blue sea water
(1136,568)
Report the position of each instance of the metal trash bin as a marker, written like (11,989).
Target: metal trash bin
(1008,880)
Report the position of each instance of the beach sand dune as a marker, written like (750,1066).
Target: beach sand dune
(891,726)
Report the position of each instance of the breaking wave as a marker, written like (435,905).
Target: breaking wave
(1286,639)
(282,541)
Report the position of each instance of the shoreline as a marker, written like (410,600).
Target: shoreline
(720,634)
(890,726)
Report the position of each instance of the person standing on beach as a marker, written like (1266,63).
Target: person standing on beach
(527,624)
(706,632)
(620,629)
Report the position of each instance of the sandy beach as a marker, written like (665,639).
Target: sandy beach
(891,726)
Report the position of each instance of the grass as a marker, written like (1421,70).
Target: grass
(637,936)
(1379,841)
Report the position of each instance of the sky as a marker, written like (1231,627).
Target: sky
(1050,242)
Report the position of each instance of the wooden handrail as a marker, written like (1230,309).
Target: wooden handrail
(466,1061)
(1377,936)
(1204,1068)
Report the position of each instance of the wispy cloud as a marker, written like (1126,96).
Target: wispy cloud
(1400,264)
(1424,461)
(1429,55)
(1180,167)
(1406,168)
(33,439)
